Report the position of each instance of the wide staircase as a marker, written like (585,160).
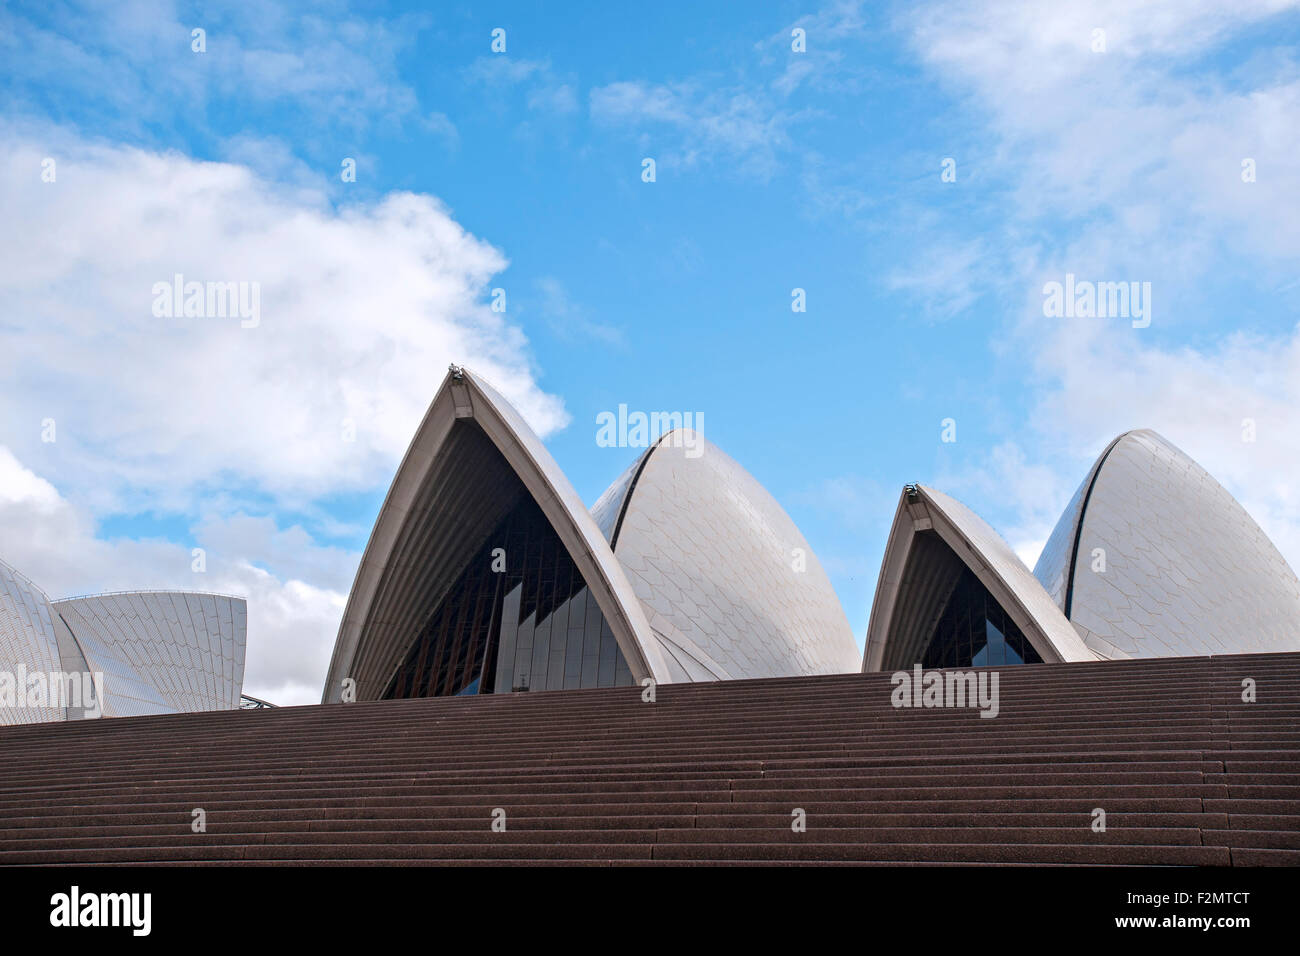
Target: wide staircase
(1184,770)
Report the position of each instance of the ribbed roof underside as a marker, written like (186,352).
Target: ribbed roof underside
(933,570)
(466,493)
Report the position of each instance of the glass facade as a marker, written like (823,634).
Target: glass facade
(974,631)
(521,618)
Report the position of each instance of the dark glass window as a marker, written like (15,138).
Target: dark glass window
(533,626)
(974,631)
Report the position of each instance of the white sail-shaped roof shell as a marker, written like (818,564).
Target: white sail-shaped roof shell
(729,584)
(444,499)
(162,651)
(28,644)
(916,573)
(158,652)
(1154,558)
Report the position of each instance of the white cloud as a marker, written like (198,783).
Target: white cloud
(502,71)
(362,308)
(558,98)
(949,277)
(740,115)
(1100,384)
(1126,165)
(1199,399)
(337,65)
(272,158)
(1130,154)
(440,125)
(291,630)
(736,124)
(24,488)
(570,320)
(822,66)
(545,91)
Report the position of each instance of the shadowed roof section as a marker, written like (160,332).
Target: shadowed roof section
(935,536)
(469,462)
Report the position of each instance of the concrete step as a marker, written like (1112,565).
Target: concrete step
(709,774)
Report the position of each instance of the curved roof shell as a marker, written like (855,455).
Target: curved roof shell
(933,537)
(1154,558)
(697,570)
(162,651)
(729,584)
(158,651)
(28,642)
(452,487)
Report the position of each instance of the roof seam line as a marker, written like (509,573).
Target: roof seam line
(1078,529)
(627,498)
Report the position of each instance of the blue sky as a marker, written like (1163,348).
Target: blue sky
(1114,161)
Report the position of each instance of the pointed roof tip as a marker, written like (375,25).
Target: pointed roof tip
(1140,434)
(1140,431)
(680,437)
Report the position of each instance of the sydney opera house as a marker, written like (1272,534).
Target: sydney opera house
(485,574)
(702,686)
